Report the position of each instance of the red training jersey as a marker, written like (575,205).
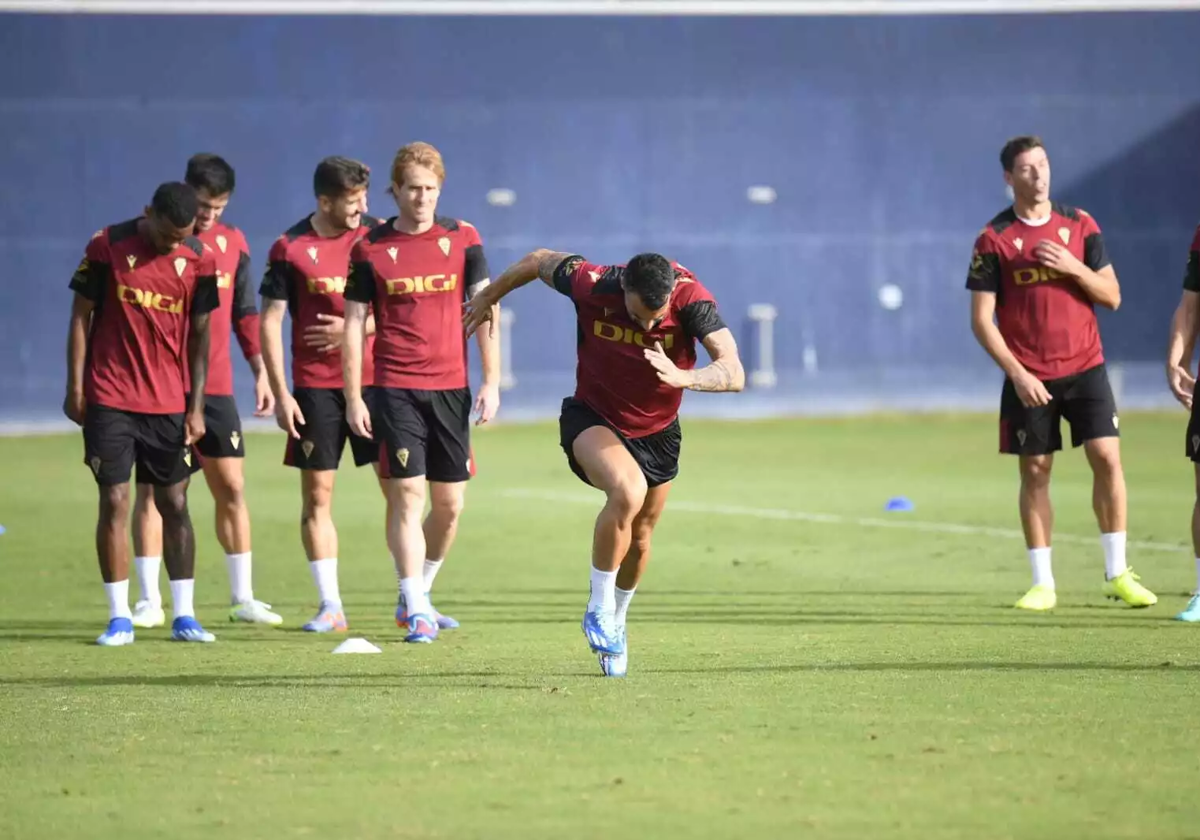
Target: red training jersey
(144,301)
(237,311)
(612,375)
(1046,319)
(418,283)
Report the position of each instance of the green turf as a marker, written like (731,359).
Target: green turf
(788,678)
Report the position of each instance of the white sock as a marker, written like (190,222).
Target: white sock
(118,599)
(1198,574)
(415,599)
(624,596)
(240,589)
(1039,559)
(603,591)
(324,574)
(147,575)
(432,567)
(1114,554)
(181,598)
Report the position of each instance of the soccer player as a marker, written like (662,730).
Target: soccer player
(638,324)
(306,276)
(415,269)
(1183,385)
(143,297)
(1037,273)
(220,452)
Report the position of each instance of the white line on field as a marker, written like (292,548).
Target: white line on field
(836,519)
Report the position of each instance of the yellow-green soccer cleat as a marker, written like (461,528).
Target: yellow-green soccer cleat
(1125,587)
(1039,598)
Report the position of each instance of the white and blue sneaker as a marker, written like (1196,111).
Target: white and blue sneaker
(444,622)
(1191,612)
(119,632)
(187,629)
(603,636)
(615,664)
(422,629)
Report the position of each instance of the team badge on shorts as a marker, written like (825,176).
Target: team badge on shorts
(95,462)
(187,456)
(402,457)
(235,439)
(1195,444)
(1021,436)
(307,448)
(1116,422)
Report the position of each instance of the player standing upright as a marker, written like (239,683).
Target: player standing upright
(220,452)
(1037,272)
(1183,385)
(415,270)
(306,276)
(140,319)
(638,328)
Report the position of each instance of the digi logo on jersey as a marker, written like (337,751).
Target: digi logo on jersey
(626,335)
(327,285)
(1038,274)
(421,285)
(149,300)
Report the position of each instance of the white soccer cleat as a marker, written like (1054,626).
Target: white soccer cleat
(255,612)
(148,614)
(615,664)
(118,633)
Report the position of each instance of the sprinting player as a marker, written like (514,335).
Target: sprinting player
(1183,385)
(638,325)
(1036,275)
(140,318)
(306,276)
(220,452)
(415,269)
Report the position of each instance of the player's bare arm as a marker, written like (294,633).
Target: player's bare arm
(723,373)
(1029,388)
(487,401)
(198,341)
(287,413)
(540,264)
(1180,347)
(75,406)
(354,336)
(1101,286)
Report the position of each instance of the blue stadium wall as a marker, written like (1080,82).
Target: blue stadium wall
(879,136)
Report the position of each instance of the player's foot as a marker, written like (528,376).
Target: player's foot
(600,628)
(1040,597)
(615,664)
(1192,611)
(148,614)
(187,629)
(329,619)
(119,632)
(1125,587)
(422,629)
(444,622)
(255,612)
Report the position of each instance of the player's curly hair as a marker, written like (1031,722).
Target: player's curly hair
(335,176)
(418,154)
(176,202)
(651,277)
(1016,147)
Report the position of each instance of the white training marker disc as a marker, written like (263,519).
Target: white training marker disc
(501,197)
(890,296)
(356,646)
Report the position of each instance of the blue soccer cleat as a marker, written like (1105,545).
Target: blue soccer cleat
(1191,612)
(119,632)
(187,629)
(444,622)
(329,619)
(615,664)
(603,635)
(422,629)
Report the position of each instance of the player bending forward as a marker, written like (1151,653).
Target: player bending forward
(638,324)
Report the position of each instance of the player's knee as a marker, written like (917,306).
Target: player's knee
(448,507)
(114,503)
(231,492)
(1035,472)
(172,502)
(1106,460)
(316,502)
(627,496)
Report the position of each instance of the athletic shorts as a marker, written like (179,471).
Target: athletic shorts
(1085,400)
(222,430)
(324,433)
(116,441)
(657,455)
(1192,444)
(424,433)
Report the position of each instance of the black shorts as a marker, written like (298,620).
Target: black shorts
(1192,444)
(324,432)
(656,454)
(1085,400)
(222,430)
(115,441)
(424,433)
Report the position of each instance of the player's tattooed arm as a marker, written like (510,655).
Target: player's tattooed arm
(548,263)
(540,264)
(725,371)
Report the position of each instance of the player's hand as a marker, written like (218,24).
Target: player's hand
(264,400)
(359,418)
(667,372)
(1183,384)
(75,407)
(487,403)
(1031,391)
(193,427)
(326,336)
(289,416)
(1053,255)
(479,310)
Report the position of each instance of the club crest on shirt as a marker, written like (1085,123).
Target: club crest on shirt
(312,253)
(392,252)
(1020,243)
(402,457)
(180,265)
(222,243)
(595,275)
(132,260)
(444,244)
(1065,235)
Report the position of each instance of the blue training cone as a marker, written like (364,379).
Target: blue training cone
(1,529)
(899,504)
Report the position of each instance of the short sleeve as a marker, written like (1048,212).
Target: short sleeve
(243,291)
(360,282)
(983,275)
(575,276)
(277,281)
(1191,278)
(91,277)
(698,311)
(475,263)
(205,297)
(1095,255)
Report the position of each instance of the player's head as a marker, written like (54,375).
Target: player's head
(213,180)
(417,176)
(340,185)
(170,216)
(1026,169)
(648,282)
